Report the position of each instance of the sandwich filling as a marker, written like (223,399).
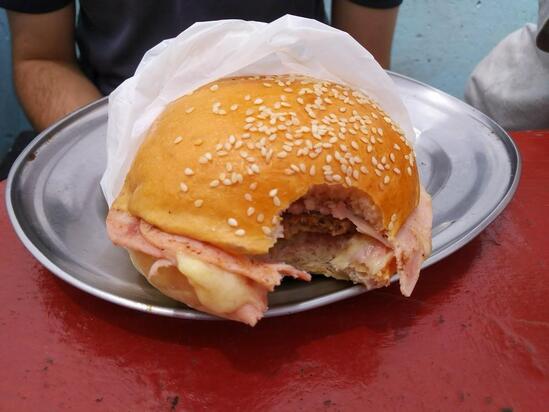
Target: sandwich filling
(331,231)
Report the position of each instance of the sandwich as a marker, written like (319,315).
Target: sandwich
(248,180)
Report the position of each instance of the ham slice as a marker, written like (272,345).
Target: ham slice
(412,243)
(132,233)
(266,274)
(410,247)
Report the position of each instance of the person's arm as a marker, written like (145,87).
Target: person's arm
(373,28)
(47,78)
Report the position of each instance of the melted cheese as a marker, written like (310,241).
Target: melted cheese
(217,289)
(361,252)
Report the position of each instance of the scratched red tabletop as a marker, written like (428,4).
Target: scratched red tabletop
(473,336)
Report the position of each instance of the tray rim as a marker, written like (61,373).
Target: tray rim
(287,309)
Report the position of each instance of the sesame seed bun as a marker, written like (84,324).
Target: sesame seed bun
(220,165)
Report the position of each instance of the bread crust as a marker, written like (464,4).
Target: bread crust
(220,165)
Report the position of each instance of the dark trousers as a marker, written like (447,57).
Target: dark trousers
(21,141)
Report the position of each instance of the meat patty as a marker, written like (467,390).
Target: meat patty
(315,222)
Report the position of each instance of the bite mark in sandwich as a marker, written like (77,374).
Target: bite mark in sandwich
(248,180)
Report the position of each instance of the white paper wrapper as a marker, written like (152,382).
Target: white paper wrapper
(208,51)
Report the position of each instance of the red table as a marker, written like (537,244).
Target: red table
(474,336)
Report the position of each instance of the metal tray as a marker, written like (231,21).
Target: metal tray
(467,162)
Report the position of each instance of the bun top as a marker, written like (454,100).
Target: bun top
(222,163)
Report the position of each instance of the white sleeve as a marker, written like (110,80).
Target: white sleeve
(511,84)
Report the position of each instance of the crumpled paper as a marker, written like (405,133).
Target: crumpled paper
(211,50)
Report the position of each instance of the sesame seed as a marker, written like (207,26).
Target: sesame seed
(276,201)
(250,119)
(396,146)
(380,167)
(253,185)
(227,182)
(184,188)
(234,107)
(266,230)
(281,155)
(202,160)
(214,183)
(250,211)
(247,97)
(337,178)
(396,170)
(348,181)
(189,110)
(342,109)
(380,131)
(354,145)
(409,170)
(258,101)
(240,232)
(232,222)
(377,172)
(312,170)
(248,197)
(363,170)
(189,171)
(273,192)
(177,140)
(288,172)
(214,87)
(374,161)
(255,168)
(288,89)
(267,84)
(386,179)
(229,167)
(355,174)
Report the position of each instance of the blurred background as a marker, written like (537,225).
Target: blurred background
(437,42)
